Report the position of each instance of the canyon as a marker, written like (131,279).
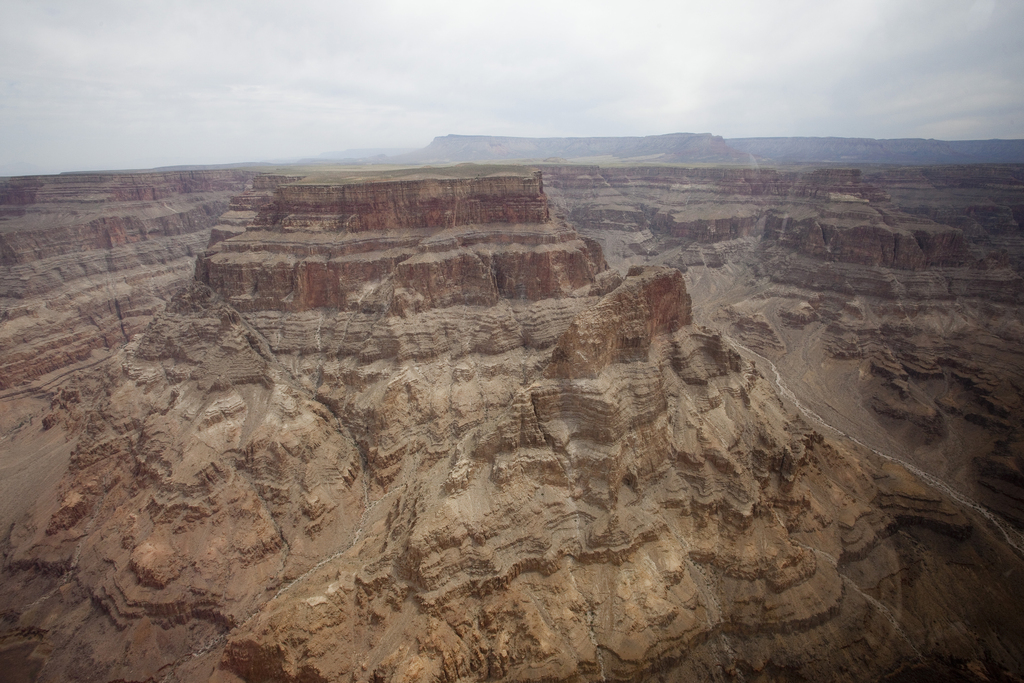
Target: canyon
(890,298)
(88,258)
(551,423)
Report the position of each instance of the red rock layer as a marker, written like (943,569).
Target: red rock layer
(435,243)
(397,204)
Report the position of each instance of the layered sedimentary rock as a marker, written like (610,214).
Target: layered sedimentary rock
(891,300)
(305,252)
(397,204)
(242,208)
(85,260)
(473,452)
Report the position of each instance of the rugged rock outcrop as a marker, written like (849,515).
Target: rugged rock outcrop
(404,247)
(200,478)
(472,452)
(621,326)
(610,528)
(86,259)
(398,204)
(902,288)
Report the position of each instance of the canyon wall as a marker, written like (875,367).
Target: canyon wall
(409,246)
(396,204)
(87,259)
(891,299)
(435,450)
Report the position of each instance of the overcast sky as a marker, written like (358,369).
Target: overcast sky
(108,84)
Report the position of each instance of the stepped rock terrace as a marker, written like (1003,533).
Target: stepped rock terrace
(395,204)
(399,243)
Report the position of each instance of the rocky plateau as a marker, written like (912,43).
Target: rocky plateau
(499,423)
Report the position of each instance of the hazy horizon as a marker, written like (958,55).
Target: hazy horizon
(114,85)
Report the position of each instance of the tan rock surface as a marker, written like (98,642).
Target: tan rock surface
(85,260)
(412,467)
(890,300)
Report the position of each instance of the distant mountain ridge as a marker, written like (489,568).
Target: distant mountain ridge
(364,153)
(870,150)
(674,147)
(708,148)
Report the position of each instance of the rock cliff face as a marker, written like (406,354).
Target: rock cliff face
(426,450)
(890,300)
(434,242)
(85,260)
(396,204)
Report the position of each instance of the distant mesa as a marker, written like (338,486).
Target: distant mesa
(689,148)
(869,150)
(674,147)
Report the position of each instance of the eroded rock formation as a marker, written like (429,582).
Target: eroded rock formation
(370,443)
(86,259)
(890,300)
